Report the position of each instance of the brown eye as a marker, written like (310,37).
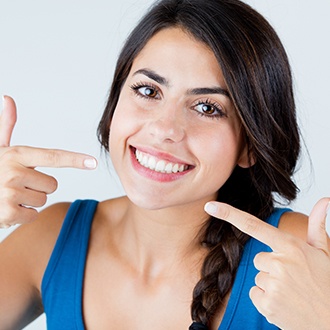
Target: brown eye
(148,92)
(207,109)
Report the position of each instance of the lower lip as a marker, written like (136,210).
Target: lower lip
(153,175)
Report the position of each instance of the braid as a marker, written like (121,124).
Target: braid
(219,268)
(225,243)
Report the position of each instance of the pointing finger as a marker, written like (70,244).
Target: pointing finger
(249,224)
(7,120)
(39,157)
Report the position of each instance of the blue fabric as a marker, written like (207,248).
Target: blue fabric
(62,283)
(240,312)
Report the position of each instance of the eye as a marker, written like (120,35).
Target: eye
(209,109)
(145,91)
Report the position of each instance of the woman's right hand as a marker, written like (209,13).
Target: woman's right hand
(22,187)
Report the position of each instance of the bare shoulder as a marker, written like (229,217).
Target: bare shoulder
(294,223)
(112,210)
(24,256)
(31,245)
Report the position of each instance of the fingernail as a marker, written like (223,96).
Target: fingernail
(3,101)
(90,163)
(211,208)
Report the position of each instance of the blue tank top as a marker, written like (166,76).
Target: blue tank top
(62,284)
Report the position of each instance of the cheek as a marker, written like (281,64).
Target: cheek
(222,146)
(121,126)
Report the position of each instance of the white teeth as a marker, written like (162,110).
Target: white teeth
(152,163)
(158,165)
(139,157)
(168,168)
(144,161)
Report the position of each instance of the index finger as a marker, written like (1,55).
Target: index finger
(249,224)
(40,157)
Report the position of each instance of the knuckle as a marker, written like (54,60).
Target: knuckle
(225,212)
(10,153)
(74,161)
(298,252)
(8,214)
(250,225)
(9,196)
(11,176)
(274,294)
(277,265)
(268,309)
(52,157)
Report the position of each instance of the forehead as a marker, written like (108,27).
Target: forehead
(174,52)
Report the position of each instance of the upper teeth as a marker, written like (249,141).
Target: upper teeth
(158,165)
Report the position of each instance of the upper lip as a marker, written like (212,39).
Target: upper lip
(161,155)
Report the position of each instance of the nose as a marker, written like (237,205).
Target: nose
(167,128)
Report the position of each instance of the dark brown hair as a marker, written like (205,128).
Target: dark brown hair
(258,77)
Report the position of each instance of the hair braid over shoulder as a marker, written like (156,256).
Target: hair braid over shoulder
(219,269)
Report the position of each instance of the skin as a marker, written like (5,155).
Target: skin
(292,287)
(170,122)
(141,242)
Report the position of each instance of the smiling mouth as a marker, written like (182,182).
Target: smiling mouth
(159,165)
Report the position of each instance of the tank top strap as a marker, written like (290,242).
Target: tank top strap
(240,312)
(62,283)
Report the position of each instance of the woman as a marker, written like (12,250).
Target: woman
(201,109)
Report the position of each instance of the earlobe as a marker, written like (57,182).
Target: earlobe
(247,158)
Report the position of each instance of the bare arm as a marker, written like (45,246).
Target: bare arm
(23,259)
(25,253)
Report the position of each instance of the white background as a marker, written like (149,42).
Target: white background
(57,60)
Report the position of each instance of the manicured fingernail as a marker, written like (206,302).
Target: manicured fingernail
(211,208)
(90,163)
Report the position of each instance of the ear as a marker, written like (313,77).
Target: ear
(246,158)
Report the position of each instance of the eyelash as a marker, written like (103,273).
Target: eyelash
(218,110)
(135,88)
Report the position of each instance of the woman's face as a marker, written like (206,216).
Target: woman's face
(175,137)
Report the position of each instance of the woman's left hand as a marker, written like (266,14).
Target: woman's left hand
(293,284)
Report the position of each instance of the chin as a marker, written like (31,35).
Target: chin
(149,204)
(152,201)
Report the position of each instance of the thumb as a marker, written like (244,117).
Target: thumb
(317,235)
(7,120)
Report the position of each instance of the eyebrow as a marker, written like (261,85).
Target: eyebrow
(208,90)
(194,91)
(153,75)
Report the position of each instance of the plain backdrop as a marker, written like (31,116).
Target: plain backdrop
(57,60)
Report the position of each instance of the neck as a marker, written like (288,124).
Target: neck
(159,240)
